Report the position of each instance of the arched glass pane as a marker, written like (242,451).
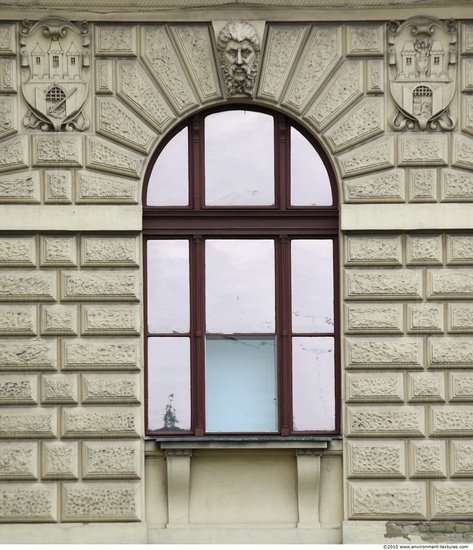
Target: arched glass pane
(169,181)
(239,159)
(310,184)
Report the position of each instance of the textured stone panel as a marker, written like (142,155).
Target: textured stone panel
(321,53)
(373,156)
(107,157)
(452,420)
(109,251)
(14,153)
(460,249)
(460,386)
(21,188)
(467,75)
(93,189)
(104,69)
(377,318)
(461,458)
(101,422)
(423,185)
(8,73)
(425,317)
(18,389)
(58,251)
(17,320)
(366,120)
(450,283)
(59,389)
(467,35)
(114,460)
(30,422)
(115,501)
(467,118)
(117,40)
(387,500)
(58,150)
(366,40)
(457,186)
(387,187)
(17,251)
(342,91)
(423,149)
(104,354)
(462,152)
(426,387)
(373,250)
(393,352)
(59,320)
(460,317)
(450,351)
(379,387)
(57,187)
(100,286)
(374,76)
(116,388)
(109,320)
(427,459)
(8,39)
(60,460)
(116,122)
(28,503)
(18,460)
(376,421)
(452,500)
(376,459)
(8,117)
(424,249)
(27,286)
(383,284)
(16,354)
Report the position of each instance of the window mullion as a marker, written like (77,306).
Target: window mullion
(196,163)
(282,136)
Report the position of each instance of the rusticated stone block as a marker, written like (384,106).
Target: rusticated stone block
(57,187)
(59,320)
(119,40)
(450,283)
(114,460)
(23,187)
(378,318)
(28,503)
(383,284)
(425,317)
(423,185)
(377,155)
(34,423)
(99,286)
(384,352)
(104,81)
(27,286)
(424,249)
(459,249)
(427,459)
(460,317)
(57,150)
(8,75)
(365,40)
(450,351)
(379,500)
(375,421)
(58,251)
(379,387)
(113,501)
(368,250)
(385,187)
(60,460)
(452,500)
(426,386)
(460,386)
(108,320)
(423,149)
(457,186)
(17,320)
(461,458)
(451,420)
(376,459)
(59,388)
(116,388)
(109,251)
(28,355)
(17,252)
(101,422)
(14,152)
(8,39)
(18,460)
(112,190)
(374,76)
(18,389)
(101,354)
(462,151)
(105,156)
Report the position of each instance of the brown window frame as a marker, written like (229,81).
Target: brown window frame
(281,222)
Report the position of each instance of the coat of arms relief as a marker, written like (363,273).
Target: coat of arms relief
(422,61)
(55,61)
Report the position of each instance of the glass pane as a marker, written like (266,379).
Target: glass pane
(169,181)
(240,286)
(312,285)
(169,394)
(168,286)
(239,159)
(310,184)
(313,384)
(240,385)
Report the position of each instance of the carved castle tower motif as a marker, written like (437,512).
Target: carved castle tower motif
(422,59)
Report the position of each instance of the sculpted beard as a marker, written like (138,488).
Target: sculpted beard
(239,80)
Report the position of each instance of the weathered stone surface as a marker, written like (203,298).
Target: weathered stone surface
(376,459)
(377,318)
(457,186)
(17,320)
(460,317)
(425,317)
(387,500)
(114,460)
(450,283)
(103,388)
(383,284)
(107,157)
(109,251)
(421,149)
(104,502)
(119,40)
(14,153)
(58,251)
(424,249)
(24,423)
(23,187)
(8,76)
(101,422)
(27,286)
(59,388)
(105,354)
(59,320)
(7,117)
(451,420)
(427,459)
(7,39)
(452,500)
(57,150)
(19,354)
(28,503)
(375,421)
(16,389)
(373,156)
(386,187)
(426,386)
(450,351)
(369,250)
(365,40)
(18,460)
(58,187)
(108,320)
(60,460)
(462,152)
(423,185)
(97,189)
(374,76)
(461,458)
(100,286)
(379,387)
(467,42)
(460,249)
(384,352)
(104,80)
(460,386)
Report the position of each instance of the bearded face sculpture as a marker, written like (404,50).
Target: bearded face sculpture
(238,48)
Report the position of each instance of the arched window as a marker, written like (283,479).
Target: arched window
(240,243)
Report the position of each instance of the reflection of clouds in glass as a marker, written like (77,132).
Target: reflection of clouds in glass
(239,158)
